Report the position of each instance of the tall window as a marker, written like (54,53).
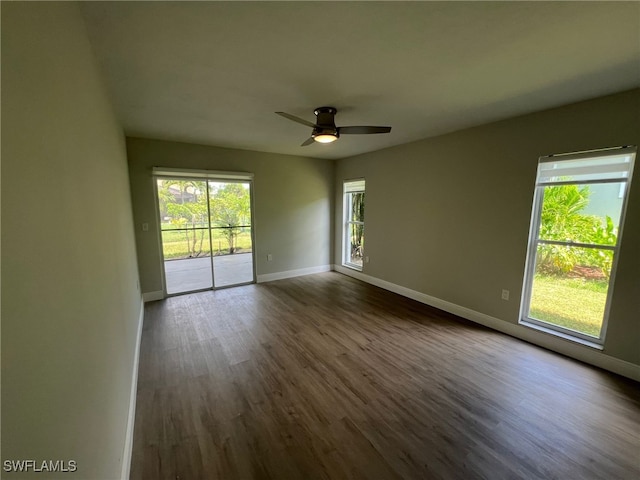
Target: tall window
(353,232)
(576,226)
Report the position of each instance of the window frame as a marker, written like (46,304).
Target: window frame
(534,241)
(349,187)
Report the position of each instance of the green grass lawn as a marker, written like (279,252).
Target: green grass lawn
(175,245)
(573,303)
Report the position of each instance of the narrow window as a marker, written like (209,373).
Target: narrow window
(353,232)
(576,227)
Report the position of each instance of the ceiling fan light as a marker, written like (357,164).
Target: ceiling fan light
(325,138)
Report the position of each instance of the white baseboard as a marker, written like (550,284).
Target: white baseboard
(152,296)
(269,277)
(128,441)
(550,342)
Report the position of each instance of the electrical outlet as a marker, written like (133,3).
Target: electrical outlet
(366,259)
(505,294)
(145,227)
(269,257)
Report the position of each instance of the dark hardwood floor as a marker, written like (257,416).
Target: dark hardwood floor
(324,377)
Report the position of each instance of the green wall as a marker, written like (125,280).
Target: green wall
(292,197)
(449,216)
(71,306)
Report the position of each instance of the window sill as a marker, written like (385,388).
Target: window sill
(562,335)
(353,266)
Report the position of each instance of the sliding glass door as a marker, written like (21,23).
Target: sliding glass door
(230,224)
(206,232)
(184,226)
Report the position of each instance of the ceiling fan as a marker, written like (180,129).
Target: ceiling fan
(325,130)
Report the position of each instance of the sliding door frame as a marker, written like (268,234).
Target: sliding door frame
(206,176)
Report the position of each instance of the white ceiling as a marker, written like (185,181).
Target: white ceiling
(214,72)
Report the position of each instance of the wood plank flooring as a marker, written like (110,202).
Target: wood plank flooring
(324,377)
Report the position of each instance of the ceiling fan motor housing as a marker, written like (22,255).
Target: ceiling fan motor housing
(326,124)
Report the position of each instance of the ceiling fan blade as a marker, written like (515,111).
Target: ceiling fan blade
(308,141)
(363,130)
(296,119)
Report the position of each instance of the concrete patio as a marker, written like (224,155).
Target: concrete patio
(190,274)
